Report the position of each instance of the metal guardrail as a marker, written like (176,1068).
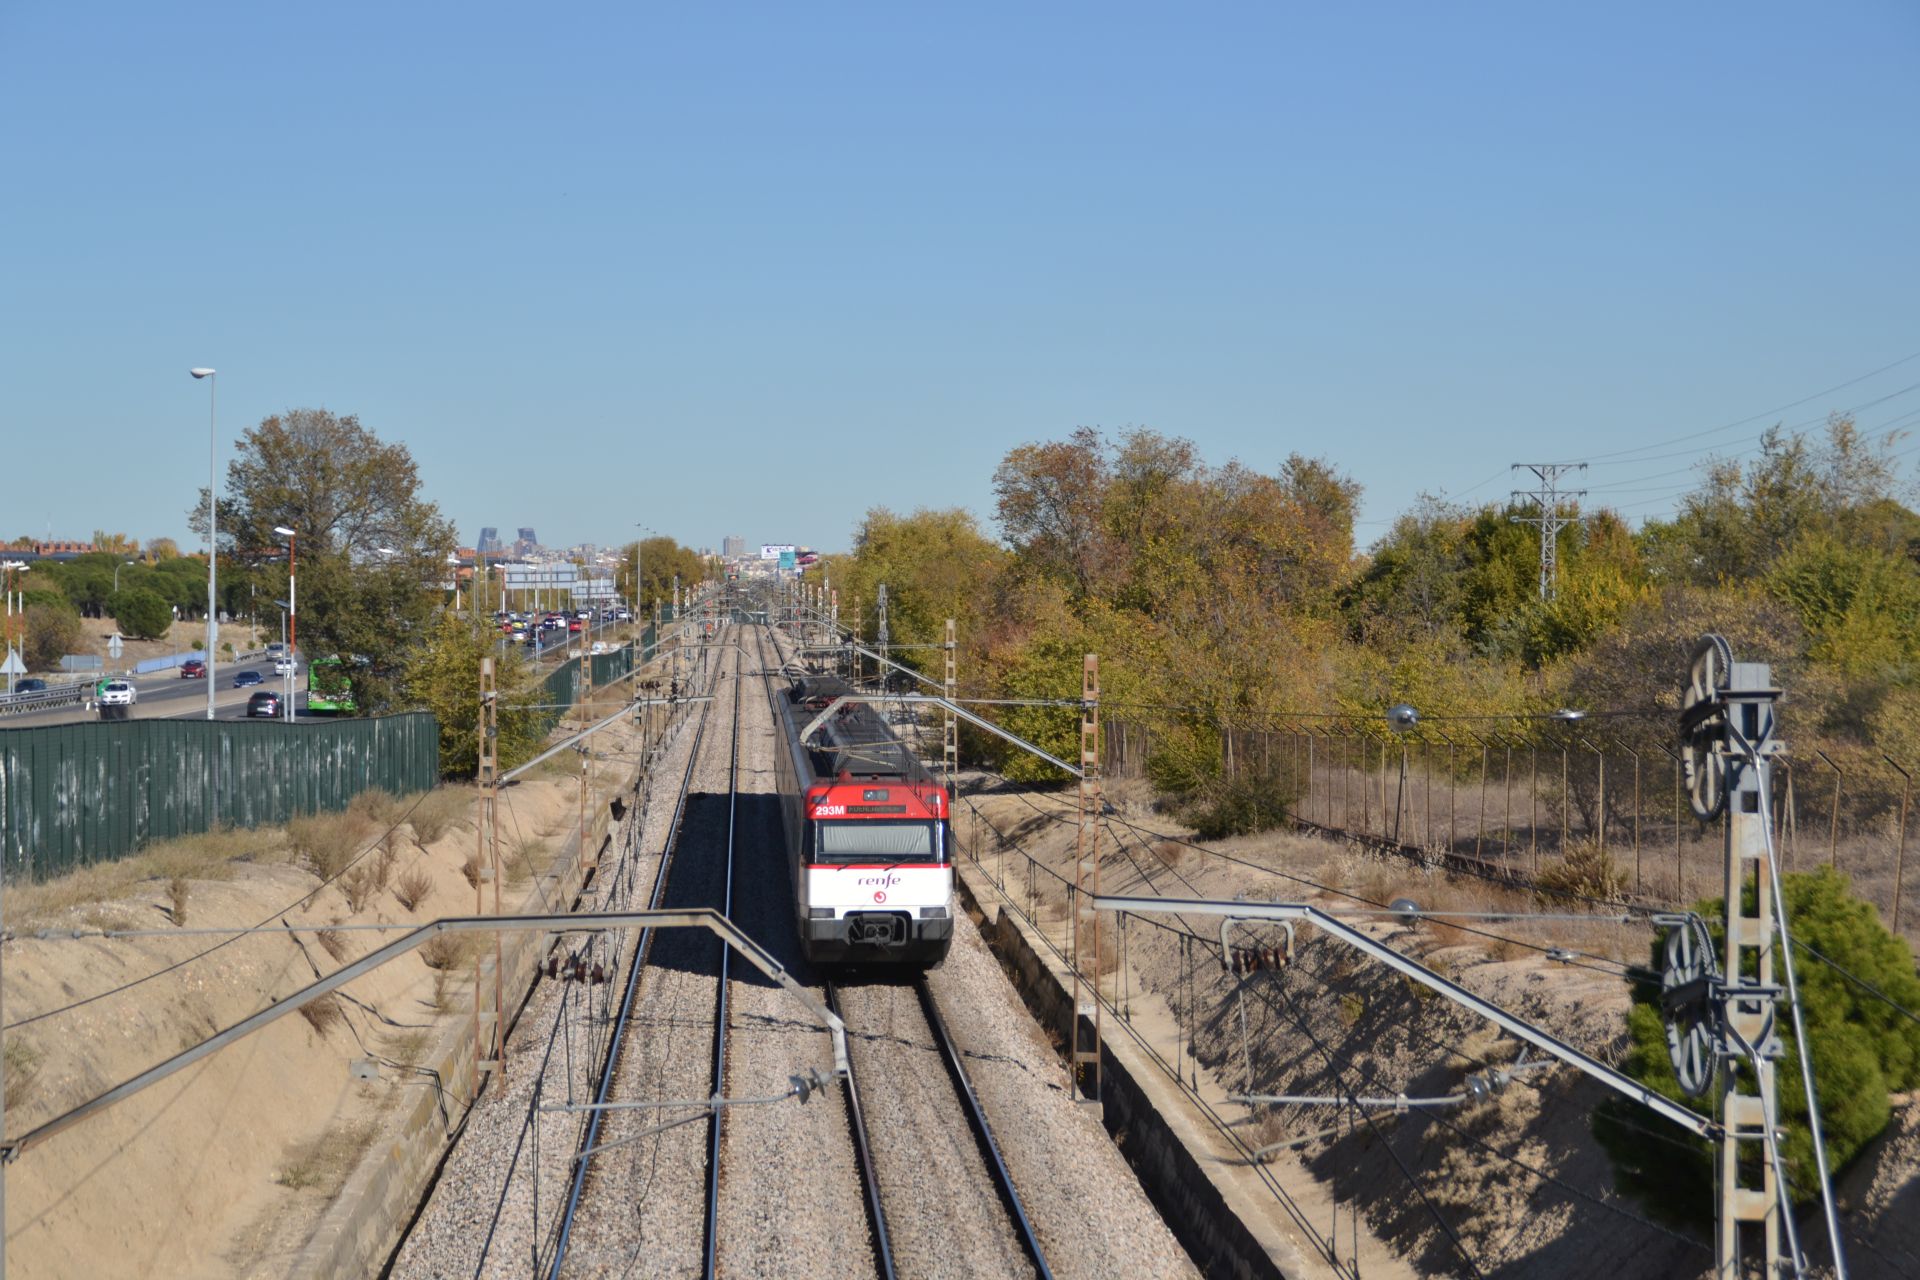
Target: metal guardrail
(80,692)
(43,699)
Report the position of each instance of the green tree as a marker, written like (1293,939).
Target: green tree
(443,676)
(372,551)
(141,613)
(1863,1048)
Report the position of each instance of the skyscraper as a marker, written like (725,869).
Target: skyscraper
(489,541)
(733,546)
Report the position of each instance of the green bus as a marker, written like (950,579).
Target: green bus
(328,687)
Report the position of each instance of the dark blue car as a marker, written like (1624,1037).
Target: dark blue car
(242,679)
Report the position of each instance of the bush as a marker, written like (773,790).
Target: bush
(439,812)
(141,613)
(1862,1050)
(413,889)
(1238,807)
(1587,871)
(327,842)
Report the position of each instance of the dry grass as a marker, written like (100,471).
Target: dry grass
(1586,870)
(211,855)
(383,864)
(475,869)
(334,942)
(177,891)
(327,842)
(413,888)
(22,1070)
(323,1165)
(525,859)
(323,1013)
(380,808)
(409,1048)
(359,885)
(439,812)
(443,988)
(447,951)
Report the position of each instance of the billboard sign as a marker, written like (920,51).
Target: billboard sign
(774,550)
(786,560)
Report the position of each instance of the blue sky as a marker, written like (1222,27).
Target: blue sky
(755,268)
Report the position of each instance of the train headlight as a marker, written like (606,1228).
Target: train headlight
(933,913)
(819,913)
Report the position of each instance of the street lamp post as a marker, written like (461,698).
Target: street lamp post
(292,636)
(9,568)
(286,651)
(213,509)
(116,575)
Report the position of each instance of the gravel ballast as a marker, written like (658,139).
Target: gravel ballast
(790,1197)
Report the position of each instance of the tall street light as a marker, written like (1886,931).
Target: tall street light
(8,568)
(213,507)
(293,609)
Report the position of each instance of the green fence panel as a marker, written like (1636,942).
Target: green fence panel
(73,795)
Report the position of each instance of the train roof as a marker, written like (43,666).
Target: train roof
(857,740)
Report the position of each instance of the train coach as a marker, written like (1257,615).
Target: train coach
(868,834)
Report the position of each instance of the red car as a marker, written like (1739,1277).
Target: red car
(574,624)
(193,669)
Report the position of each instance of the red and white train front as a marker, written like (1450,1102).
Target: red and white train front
(868,835)
(877,874)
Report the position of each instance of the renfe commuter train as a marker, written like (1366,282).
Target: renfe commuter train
(868,834)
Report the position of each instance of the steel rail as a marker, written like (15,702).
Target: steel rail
(589,1136)
(869,1178)
(982,1131)
(715,1120)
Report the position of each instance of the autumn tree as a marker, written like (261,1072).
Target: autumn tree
(936,564)
(53,631)
(646,571)
(1050,498)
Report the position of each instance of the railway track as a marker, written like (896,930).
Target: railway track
(918,1163)
(591,1133)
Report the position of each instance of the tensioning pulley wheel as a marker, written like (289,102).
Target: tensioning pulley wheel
(1688,975)
(1703,728)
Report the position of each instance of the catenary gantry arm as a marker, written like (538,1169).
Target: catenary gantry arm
(1285,911)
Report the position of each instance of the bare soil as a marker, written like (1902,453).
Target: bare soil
(224,1168)
(1515,1182)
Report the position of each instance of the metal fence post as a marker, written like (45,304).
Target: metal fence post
(1900,855)
(1833,820)
(1636,810)
(1679,877)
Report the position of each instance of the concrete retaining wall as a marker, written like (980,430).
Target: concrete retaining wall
(1145,1113)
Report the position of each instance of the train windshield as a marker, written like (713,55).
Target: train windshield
(876,842)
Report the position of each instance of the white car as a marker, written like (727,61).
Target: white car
(283,666)
(117,693)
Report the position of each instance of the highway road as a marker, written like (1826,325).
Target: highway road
(164,695)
